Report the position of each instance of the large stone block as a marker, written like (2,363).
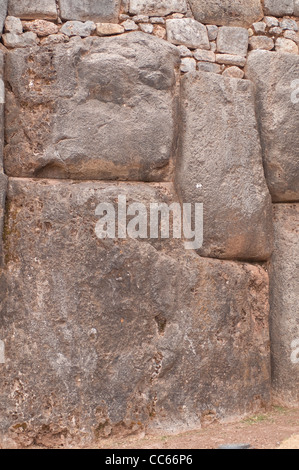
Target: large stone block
(279,7)
(104,10)
(221,166)
(157,7)
(276,78)
(3,10)
(284,293)
(227,12)
(32,9)
(100,108)
(104,337)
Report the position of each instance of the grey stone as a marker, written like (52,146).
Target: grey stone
(187,32)
(102,11)
(140,19)
(12,40)
(271,21)
(275,75)
(276,31)
(261,42)
(3,10)
(212,32)
(77,28)
(54,39)
(157,7)
(279,7)
(129,25)
(284,315)
(31,10)
(206,56)
(188,64)
(214,165)
(108,29)
(13,25)
(146,27)
(296,7)
(227,12)
(288,24)
(99,108)
(120,335)
(184,51)
(208,67)
(286,46)
(233,72)
(291,35)
(157,20)
(229,59)
(259,27)
(232,40)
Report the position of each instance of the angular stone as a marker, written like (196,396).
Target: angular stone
(284,325)
(13,25)
(129,25)
(108,29)
(208,67)
(261,42)
(100,108)
(271,21)
(187,32)
(233,72)
(184,51)
(276,79)
(3,10)
(120,335)
(103,11)
(159,31)
(279,7)
(259,27)
(288,24)
(227,12)
(232,40)
(214,166)
(206,56)
(30,10)
(14,41)
(292,35)
(146,27)
(212,32)
(41,27)
(157,7)
(229,59)
(284,45)
(77,28)
(188,64)
(157,20)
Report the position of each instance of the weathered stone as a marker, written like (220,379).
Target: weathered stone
(284,325)
(213,46)
(184,51)
(41,27)
(276,79)
(120,335)
(227,12)
(271,21)
(140,19)
(286,46)
(100,108)
(261,42)
(233,72)
(208,67)
(276,31)
(159,31)
(279,7)
(215,165)
(206,56)
(296,7)
(54,39)
(13,25)
(231,40)
(103,11)
(286,23)
(129,25)
(77,28)
(146,27)
(108,29)
(157,20)
(188,64)
(157,7)
(30,10)
(212,32)
(3,10)
(292,35)
(229,59)
(14,41)
(3,187)
(187,32)
(259,27)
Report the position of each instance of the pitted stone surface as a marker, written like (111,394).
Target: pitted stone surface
(100,108)
(227,12)
(3,10)
(157,7)
(221,166)
(29,9)
(95,10)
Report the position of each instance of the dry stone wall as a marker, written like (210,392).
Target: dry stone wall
(168,102)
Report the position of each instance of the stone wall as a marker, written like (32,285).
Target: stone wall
(165,102)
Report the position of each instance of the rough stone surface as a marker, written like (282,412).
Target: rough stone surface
(129,25)
(206,56)
(233,72)
(13,25)
(99,108)
(3,10)
(14,41)
(286,45)
(77,28)
(187,32)
(208,67)
(279,7)
(98,11)
(261,42)
(288,24)
(30,10)
(41,27)
(215,165)
(296,7)
(227,12)
(157,7)
(121,335)
(108,29)
(271,21)
(284,275)
(188,64)
(3,186)
(232,40)
(292,35)
(146,27)
(212,32)
(229,59)
(276,79)
(259,27)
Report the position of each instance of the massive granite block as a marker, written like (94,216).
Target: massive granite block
(221,166)
(31,9)
(276,78)
(3,10)
(99,108)
(227,12)
(157,7)
(284,324)
(102,11)
(120,335)
(279,7)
